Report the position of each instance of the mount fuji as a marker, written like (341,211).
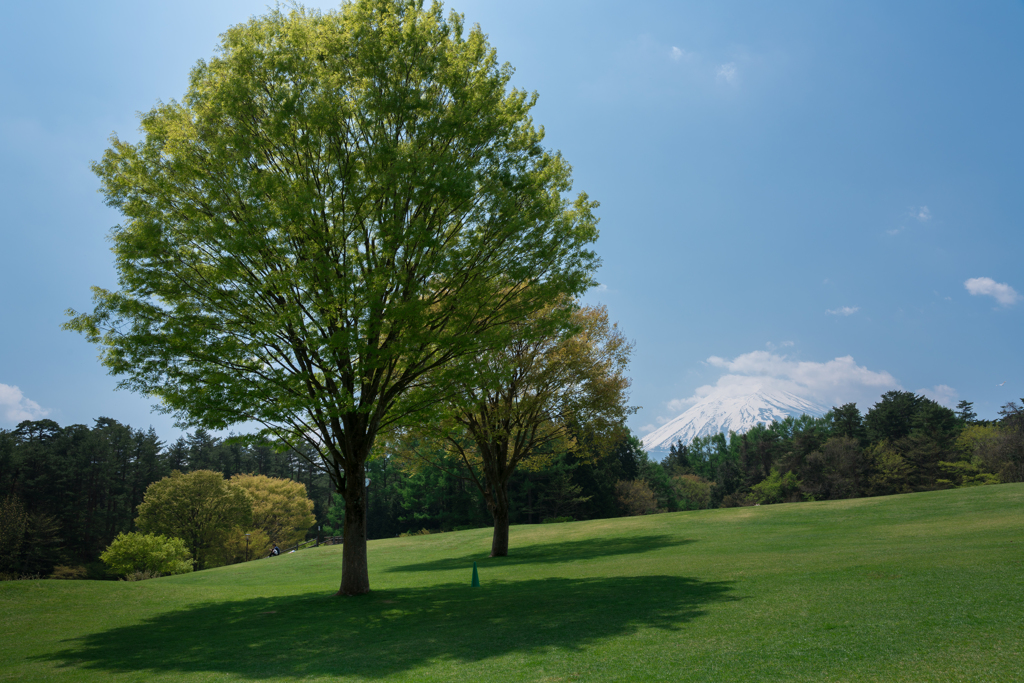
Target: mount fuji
(720,412)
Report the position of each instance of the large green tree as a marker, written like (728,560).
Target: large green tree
(341,204)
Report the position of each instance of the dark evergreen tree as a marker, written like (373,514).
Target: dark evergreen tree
(965,412)
(892,418)
(847,421)
(678,459)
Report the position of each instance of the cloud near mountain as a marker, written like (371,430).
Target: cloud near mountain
(834,382)
(760,387)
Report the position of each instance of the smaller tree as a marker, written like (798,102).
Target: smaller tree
(847,421)
(677,462)
(562,497)
(776,488)
(563,369)
(962,473)
(150,553)
(692,492)
(837,470)
(890,472)
(13,522)
(892,418)
(200,508)
(280,507)
(636,497)
(994,448)
(335,525)
(965,412)
(1012,422)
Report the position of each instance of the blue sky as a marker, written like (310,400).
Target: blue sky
(819,196)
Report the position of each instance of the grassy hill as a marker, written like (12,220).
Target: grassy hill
(917,587)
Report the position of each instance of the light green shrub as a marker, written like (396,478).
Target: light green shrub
(149,553)
(777,488)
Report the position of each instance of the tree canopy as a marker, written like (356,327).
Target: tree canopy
(280,507)
(341,203)
(200,508)
(534,393)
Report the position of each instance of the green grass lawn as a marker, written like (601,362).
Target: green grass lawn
(920,587)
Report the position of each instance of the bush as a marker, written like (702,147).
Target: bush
(636,497)
(737,500)
(557,520)
(64,572)
(777,488)
(154,554)
(693,492)
(962,473)
(11,576)
(891,473)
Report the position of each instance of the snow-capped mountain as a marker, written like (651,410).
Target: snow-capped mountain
(724,413)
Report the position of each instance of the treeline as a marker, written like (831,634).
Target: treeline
(405,495)
(78,487)
(904,443)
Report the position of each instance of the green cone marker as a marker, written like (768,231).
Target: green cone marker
(476,577)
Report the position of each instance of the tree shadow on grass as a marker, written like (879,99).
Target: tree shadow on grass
(552,553)
(392,631)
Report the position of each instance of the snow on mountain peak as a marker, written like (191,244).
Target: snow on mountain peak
(722,412)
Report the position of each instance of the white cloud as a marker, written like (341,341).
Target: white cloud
(923,214)
(787,343)
(678,54)
(832,383)
(1002,292)
(845,310)
(15,408)
(941,393)
(678,405)
(727,72)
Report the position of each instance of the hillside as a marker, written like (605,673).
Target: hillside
(916,587)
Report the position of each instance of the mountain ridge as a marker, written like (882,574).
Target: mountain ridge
(722,413)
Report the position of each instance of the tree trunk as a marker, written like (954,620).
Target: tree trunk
(355,576)
(499,510)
